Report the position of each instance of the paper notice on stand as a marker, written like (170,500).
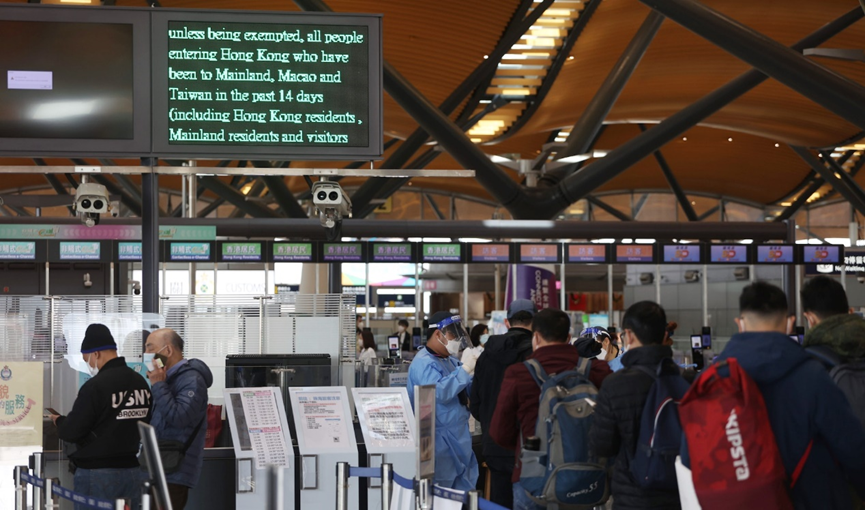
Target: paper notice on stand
(265,428)
(323,420)
(21,404)
(385,420)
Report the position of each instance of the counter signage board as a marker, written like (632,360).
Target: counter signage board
(826,254)
(78,250)
(682,253)
(241,252)
(391,252)
(587,253)
(490,252)
(548,253)
(728,254)
(193,252)
(258,425)
(320,414)
(342,252)
(442,252)
(635,253)
(18,250)
(425,414)
(292,252)
(385,417)
(128,251)
(775,254)
(21,404)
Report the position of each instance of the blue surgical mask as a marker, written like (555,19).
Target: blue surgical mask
(484,338)
(148,360)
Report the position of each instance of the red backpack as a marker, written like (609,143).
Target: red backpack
(735,460)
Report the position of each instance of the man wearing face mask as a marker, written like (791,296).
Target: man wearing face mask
(404,336)
(179,407)
(436,363)
(103,422)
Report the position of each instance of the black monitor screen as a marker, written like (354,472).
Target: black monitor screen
(66,80)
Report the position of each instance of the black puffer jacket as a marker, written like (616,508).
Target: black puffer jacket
(616,428)
(500,352)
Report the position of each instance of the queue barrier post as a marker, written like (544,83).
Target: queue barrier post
(119,504)
(37,464)
(386,485)
(52,501)
(145,495)
(474,499)
(342,470)
(20,488)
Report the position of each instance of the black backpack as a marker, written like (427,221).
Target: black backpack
(849,376)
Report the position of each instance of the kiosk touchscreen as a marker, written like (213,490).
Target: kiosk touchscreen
(393,346)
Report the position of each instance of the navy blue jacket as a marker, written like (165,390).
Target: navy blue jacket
(804,404)
(179,405)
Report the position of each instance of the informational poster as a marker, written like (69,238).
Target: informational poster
(20,404)
(321,418)
(384,417)
(425,414)
(257,420)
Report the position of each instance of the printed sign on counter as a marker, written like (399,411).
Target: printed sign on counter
(384,417)
(425,414)
(322,419)
(257,420)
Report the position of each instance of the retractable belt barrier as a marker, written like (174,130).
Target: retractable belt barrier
(388,476)
(23,478)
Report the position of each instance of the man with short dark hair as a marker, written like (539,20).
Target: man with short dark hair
(103,422)
(619,408)
(179,406)
(405,343)
(805,407)
(825,307)
(516,411)
(500,352)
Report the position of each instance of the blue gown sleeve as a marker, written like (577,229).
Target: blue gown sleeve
(448,386)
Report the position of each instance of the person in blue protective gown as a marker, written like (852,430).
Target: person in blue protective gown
(456,466)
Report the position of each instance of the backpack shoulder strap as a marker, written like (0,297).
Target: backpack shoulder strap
(536,371)
(801,465)
(194,434)
(646,370)
(584,367)
(824,355)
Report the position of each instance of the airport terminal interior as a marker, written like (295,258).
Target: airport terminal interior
(288,184)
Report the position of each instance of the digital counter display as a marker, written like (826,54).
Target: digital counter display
(129,251)
(189,252)
(442,253)
(390,252)
(80,250)
(241,252)
(590,253)
(781,254)
(337,252)
(491,253)
(635,253)
(268,84)
(682,253)
(292,252)
(540,253)
(17,250)
(728,254)
(821,255)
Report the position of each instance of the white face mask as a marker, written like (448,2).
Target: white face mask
(147,358)
(91,369)
(401,329)
(484,338)
(603,354)
(452,347)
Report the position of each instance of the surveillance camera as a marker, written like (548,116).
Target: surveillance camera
(91,200)
(331,202)
(860,279)
(136,287)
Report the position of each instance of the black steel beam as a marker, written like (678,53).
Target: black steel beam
(846,178)
(690,213)
(254,193)
(853,172)
(835,92)
(531,229)
(857,201)
(283,196)
(128,201)
(590,122)
(369,190)
(150,242)
(212,206)
(708,213)
(434,206)
(597,202)
(597,174)
(236,198)
(55,183)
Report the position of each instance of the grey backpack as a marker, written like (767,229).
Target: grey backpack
(848,375)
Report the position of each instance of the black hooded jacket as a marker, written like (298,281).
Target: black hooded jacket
(500,352)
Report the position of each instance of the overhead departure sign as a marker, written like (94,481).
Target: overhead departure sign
(442,252)
(292,252)
(282,83)
(342,252)
(391,252)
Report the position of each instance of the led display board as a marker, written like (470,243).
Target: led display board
(490,252)
(392,252)
(681,253)
(547,253)
(343,252)
(586,253)
(128,251)
(826,254)
(17,250)
(189,252)
(635,253)
(441,252)
(729,254)
(80,250)
(293,252)
(240,252)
